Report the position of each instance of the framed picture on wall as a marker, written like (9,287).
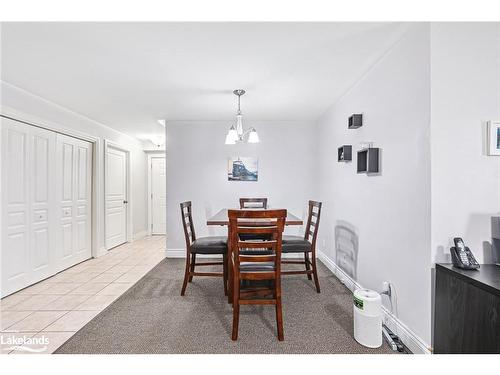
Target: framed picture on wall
(242,168)
(494,138)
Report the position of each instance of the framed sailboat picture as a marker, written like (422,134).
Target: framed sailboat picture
(241,168)
(494,138)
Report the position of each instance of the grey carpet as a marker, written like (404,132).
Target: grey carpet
(152,317)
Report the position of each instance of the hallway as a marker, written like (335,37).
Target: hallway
(56,308)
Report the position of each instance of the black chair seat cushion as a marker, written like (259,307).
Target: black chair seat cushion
(295,244)
(210,245)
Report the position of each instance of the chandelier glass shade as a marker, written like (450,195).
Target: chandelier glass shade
(238,134)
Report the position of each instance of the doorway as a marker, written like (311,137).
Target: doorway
(157,195)
(117,223)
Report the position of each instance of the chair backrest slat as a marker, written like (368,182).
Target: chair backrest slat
(312,225)
(256,245)
(257,258)
(253,203)
(258,230)
(273,225)
(187,223)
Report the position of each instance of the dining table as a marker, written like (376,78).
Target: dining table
(221,218)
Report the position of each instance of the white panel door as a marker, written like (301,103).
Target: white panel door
(73,197)
(46,203)
(116,197)
(42,203)
(83,195)
(28,169)
(158,195)
(15,207)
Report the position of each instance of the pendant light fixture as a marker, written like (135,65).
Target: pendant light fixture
(237,134)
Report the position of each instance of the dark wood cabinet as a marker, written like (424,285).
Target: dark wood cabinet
(467,310)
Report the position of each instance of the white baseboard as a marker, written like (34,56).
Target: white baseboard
(407,336)
(139,235)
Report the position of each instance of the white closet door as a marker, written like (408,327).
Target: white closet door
(42,208)
(116,197)
(28,156)
(15,206)
(83,245)
(73,192)
(158,195)
(46,203)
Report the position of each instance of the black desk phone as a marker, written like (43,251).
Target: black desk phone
(462,257)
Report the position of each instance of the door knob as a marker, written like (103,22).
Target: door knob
(125,202)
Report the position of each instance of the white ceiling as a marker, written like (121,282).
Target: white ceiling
(127,75)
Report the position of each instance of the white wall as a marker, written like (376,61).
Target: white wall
(38,110)
(197,171)
(465,90)
(377,228)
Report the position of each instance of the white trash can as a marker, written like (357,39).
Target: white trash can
(368,318)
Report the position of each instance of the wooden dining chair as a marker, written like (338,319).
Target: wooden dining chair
(305,245)
(253,203)
(257,261)
(204,245)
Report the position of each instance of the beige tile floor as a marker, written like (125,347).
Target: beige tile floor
(51,311)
